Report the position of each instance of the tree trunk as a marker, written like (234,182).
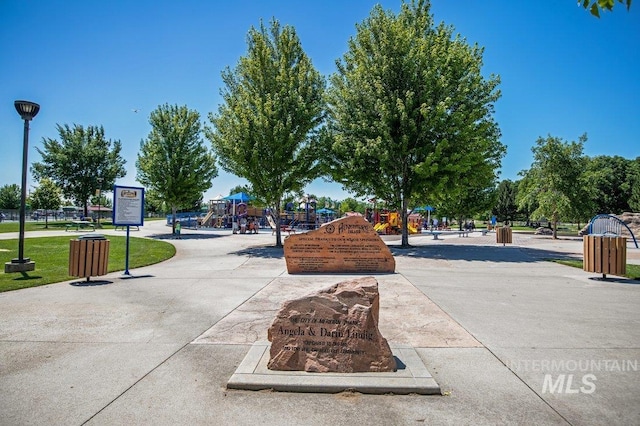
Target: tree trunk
(276,219)
(405,223)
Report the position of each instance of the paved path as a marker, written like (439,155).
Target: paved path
(159,348)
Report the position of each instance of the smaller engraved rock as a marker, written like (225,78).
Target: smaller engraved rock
(334,330)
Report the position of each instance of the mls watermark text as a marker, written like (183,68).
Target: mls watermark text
(572,376)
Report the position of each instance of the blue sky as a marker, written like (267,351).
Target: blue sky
(92,62)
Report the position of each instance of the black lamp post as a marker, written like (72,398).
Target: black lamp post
(27,111)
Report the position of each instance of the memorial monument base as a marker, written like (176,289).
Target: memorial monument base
(411,377)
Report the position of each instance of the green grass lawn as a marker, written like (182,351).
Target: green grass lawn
(51,255)
(53,225)
(58,225)
(633,271)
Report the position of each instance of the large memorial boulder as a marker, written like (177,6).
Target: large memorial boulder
(346,245)
(333,330)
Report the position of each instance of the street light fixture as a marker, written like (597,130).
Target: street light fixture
(27,111)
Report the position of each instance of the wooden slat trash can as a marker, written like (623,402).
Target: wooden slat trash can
(605,254)
(503,235)
(88,256)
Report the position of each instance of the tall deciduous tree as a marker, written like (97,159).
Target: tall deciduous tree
(240,188)
(80,162)
(610,181)
(350,204)
(153,203)
(173,160)
(10,197)
(556,181)
(634,200)
(267,128)
(102,200)
(476,199)
(46,196)
(506,207)
(411,113)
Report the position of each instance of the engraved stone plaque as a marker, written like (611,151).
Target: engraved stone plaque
(344,245)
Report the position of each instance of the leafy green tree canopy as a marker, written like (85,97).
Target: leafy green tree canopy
(240,188)
(10,197)
(350,204)
(506,208)
(46,196)
(475,200)
(610,181)
(266,130)
(102,200)
(80,162)
(556,181)
(173,160)
(152,203)
(634,200)
(595,6)
(411,113)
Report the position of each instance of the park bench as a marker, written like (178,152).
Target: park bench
(463,233)
(80,225)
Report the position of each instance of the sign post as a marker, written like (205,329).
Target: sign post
(128,210)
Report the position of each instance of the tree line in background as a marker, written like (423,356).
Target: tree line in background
(407,119)
(563,184)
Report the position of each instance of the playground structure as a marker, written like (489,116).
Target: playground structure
(220,215)
(390,223)
(298,219)
(215,215)
(234,212)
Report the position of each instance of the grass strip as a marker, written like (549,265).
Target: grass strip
(51,255)
(633,271)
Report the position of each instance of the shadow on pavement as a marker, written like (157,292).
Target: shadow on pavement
(615,280)
(86,283)
(133,277)
(266,252)
(496,253)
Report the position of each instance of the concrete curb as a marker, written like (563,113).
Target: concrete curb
(412,377)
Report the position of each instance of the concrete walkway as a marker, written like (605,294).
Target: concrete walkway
(510,338)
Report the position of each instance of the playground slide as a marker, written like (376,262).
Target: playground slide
(207,217)
(380,227)
(412,229)
(272,223)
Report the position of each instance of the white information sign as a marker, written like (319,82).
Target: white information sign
(128,206)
